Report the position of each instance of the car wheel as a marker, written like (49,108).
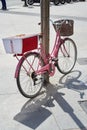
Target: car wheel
(56,2)
(30,2)
(62,1)
(68,1)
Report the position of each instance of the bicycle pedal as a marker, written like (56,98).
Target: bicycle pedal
(35,79)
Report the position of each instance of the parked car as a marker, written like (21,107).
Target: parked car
(56,2)
(31,2)
(68,1)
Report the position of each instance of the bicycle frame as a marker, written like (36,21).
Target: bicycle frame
(58,42)
(49,60)
(34,64)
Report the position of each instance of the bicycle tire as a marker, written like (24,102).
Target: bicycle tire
(28,84)
(67,56)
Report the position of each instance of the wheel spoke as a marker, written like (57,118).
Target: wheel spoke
(29,84)
(67,56)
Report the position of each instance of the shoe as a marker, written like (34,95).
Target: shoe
(4,9)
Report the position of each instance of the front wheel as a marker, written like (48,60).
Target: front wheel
(67,56)
(30,84)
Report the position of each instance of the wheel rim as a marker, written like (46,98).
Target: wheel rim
(67,59)
(29,86)
(62,1)
(56,2)
(30,2)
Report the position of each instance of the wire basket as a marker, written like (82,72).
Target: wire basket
(64,26)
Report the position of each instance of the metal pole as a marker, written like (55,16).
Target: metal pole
(45,26)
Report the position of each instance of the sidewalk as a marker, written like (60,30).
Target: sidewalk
(63,104)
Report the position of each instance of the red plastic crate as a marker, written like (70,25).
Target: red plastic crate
(20,43)
(30,43)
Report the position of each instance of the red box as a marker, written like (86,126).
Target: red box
(20,43)
(30,43)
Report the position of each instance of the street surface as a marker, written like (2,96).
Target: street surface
(13,2)
(59,106)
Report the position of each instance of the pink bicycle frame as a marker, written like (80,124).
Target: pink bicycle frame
(47,59)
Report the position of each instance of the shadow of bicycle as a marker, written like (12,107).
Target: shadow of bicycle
(72,81)
(35,111)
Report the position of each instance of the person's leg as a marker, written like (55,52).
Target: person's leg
(3,4)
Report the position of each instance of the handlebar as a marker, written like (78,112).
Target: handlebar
(55,22)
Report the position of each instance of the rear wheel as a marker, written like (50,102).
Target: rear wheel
(30,84)
(67,56)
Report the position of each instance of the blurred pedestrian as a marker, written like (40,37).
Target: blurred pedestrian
(4,6)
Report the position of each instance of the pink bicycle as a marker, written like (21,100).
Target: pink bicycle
(33,65)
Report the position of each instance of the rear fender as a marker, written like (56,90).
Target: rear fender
(19,63)
(17,68)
